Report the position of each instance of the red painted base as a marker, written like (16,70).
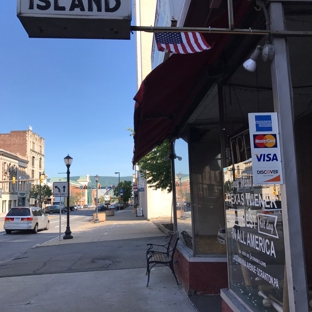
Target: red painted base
(225,307)
(200,277)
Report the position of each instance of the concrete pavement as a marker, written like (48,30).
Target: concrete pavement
(101,269)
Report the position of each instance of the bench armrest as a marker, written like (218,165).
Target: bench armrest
(151,246)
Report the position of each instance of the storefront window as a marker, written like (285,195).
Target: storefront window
(206,192)
(183,193)
(255,240)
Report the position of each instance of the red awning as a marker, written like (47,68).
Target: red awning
(167,92)
(162,99)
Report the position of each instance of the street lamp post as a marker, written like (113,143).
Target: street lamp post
(118,188)
(68,161)
(40,190)
(96,220)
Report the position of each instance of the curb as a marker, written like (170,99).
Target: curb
(162,228)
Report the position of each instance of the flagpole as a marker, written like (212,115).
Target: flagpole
(238,31)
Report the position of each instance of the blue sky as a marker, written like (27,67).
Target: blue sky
(76,94)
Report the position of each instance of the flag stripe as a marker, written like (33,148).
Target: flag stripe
(187,45)
(190,41)
(181,43)
(198,41)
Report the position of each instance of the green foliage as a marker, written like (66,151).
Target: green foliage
(155,170)
(126,186)
(228,187)
(40,192)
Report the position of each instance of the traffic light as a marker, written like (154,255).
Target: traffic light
(41,178)
(13,180)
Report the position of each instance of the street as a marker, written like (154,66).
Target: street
(18,243)
(106,260)
(101,269)
(93,247)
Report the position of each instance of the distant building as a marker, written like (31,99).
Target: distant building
(27,144)
(13,188)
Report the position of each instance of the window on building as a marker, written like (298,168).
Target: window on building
(206,191)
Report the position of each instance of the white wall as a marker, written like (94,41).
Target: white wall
(155,204)
(159,204)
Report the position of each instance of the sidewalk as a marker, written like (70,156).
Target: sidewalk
(101,269)
(120,289)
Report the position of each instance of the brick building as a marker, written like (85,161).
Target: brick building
(21,159)
(27,144)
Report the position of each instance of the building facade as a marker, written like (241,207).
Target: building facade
(247,135)
(27,148)
(14,185)
(27,144)
(155,203)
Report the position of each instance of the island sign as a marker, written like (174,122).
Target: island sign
(83,19)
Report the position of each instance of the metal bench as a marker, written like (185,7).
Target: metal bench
(162,255)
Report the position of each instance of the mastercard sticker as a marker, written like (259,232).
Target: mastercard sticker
(264,140)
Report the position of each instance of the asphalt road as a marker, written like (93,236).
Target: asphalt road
(16,244)
(81,257)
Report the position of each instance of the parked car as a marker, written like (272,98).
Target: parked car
(73,208)
(55,209)
(115,206)
(119,206)
(26,218)
(102,207)
(85,206)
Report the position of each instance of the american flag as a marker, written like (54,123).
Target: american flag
(181,43)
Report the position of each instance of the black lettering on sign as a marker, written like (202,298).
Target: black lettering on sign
(77,4)
(31,5)
(57,7)
(44,7)
(113,9)
(98,4)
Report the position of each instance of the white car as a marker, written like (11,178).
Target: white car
(26,218)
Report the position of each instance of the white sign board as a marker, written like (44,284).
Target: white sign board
(102,19)
(60,189)
(265,148)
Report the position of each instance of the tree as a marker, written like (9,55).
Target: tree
(40,192)
(228,187)
(126,187)
(155,170)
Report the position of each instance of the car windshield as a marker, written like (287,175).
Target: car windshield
(19,212)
